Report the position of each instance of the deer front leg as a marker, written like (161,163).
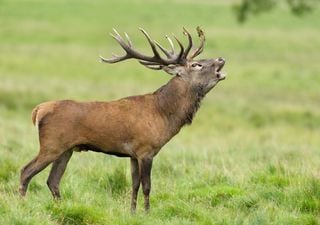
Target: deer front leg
(146,165)
(135,174)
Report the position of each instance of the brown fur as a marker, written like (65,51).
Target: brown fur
(145,122)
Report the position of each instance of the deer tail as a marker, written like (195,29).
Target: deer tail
(35,115)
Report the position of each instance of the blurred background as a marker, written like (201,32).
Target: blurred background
(251,155)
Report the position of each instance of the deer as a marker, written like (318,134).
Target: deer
(136,127)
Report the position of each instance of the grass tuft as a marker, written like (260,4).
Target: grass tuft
(8,169)
(116,182)
(70,214)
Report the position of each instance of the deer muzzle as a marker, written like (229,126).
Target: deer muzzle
(219,65)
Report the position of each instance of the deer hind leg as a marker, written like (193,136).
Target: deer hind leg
(34,167)
(56,173)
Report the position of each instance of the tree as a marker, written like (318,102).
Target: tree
(253,7)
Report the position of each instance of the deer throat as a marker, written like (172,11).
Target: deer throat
(178,102)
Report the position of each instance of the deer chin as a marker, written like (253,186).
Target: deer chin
(222,76)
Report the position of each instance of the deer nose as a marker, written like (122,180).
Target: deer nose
(221,60)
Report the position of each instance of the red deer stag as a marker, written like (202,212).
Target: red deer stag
(136,127)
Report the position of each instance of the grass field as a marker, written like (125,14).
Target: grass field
(251,156)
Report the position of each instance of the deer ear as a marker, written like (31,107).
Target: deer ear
(174,70)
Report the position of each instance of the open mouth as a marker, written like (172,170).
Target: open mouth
(220,67)
(219,75)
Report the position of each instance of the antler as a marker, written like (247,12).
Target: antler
(155,61)
(199,50)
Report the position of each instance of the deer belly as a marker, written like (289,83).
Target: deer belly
(94,148)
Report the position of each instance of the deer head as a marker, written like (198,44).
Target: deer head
(202,74)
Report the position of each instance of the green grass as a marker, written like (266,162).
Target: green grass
(251,155)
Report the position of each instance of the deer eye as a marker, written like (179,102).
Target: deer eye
(196,65)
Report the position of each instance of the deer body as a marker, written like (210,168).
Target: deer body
(136,127)
(129,127)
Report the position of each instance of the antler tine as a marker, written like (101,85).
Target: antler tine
(179,57)
(186,52)
(116,32)
(124,45)
(153,47)
(114,57)
(154,67)
(151,65)
(158,60)
(200,48)
(165,51)
(146,63)
(171,44)
(203,39)
(128,39)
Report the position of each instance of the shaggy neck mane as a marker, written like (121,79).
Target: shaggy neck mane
(178,101)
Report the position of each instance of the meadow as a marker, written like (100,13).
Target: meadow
(251,156)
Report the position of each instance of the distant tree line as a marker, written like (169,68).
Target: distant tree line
(246,8)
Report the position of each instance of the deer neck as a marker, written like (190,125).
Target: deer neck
(178,101)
